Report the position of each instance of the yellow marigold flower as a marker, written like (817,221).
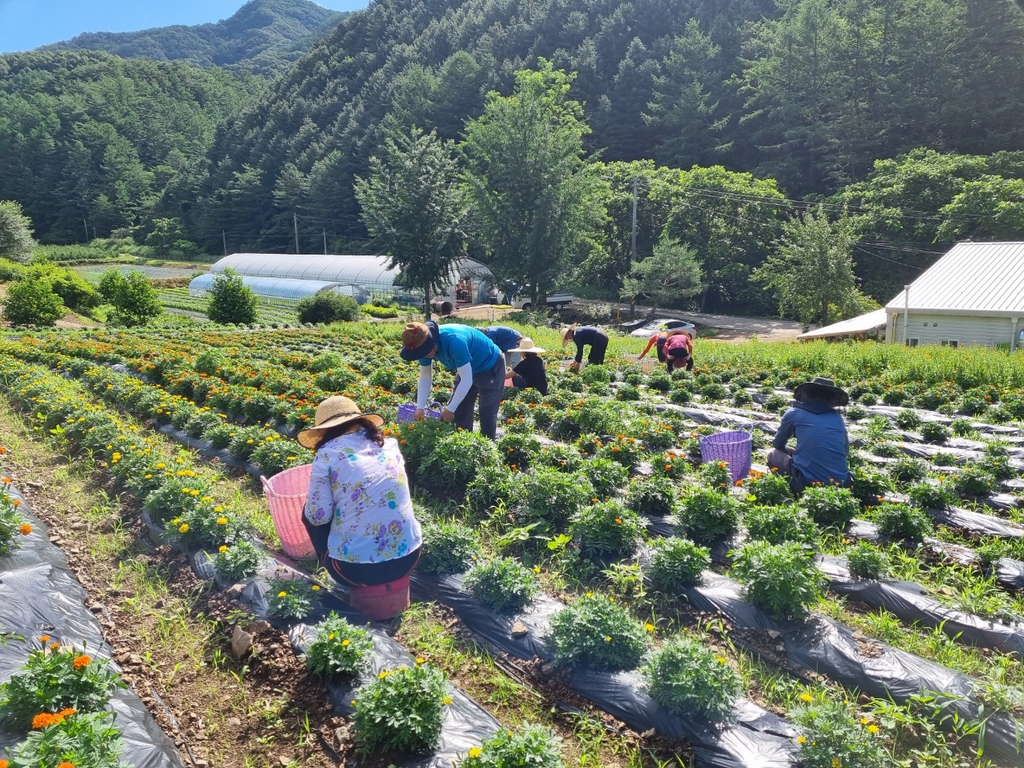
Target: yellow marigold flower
(218,509)
(161,465)
(475,752)
(346,643)
(607,638)
(315,587)
(872,728)
(223,548)
(183,528)
(446,700)
(806,697)
(282,593)
(222,521)
(649,627)
(801,739)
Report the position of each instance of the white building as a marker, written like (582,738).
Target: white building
(972,296)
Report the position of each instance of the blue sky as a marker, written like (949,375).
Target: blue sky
(26,24)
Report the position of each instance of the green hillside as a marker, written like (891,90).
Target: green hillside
(264,36)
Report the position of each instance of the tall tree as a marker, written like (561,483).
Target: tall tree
(670,275)
(812,270)
(414,206)
(537,199)
(16,241)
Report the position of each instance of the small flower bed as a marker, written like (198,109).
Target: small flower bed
(448,547)
(339,648)
(597,631)
(607,529)
(532,746)
(781,578)
(677,563)
(688,678)
(292,598)
(705,515)
(401,711)
(833,734)
(505,584)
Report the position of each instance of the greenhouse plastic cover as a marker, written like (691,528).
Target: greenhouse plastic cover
(39,595)
(285,289)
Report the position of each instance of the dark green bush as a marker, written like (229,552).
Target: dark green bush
(326,308)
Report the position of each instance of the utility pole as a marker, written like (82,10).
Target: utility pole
(633,238)
(295,221)
(325,242)
(224,237)
(85,223)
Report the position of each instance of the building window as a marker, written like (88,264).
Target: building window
(912,342)
(949,343)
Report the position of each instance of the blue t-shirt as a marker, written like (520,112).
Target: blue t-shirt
(461,344)
(821,442)
(504,337)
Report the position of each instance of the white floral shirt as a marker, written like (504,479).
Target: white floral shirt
(362,490)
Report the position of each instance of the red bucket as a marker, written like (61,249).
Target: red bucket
(382,601)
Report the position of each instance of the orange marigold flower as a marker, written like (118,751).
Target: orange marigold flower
(54,646)
(81,661)
(68,712)
(25,529)
(65,764)
(44,638)
(3,764)
(43,720)
(16,502)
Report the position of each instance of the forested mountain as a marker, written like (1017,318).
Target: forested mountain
(264,36)
(90,137)
(809,92)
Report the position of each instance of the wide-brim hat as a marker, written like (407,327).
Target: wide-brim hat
(820,388)
(566,332)
(335,411)
(526,345)
(418,339)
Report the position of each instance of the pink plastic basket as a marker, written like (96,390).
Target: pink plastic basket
(383,601)
(286,494)
(734,448)
(407,411)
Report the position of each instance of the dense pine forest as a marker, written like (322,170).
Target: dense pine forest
(728,115)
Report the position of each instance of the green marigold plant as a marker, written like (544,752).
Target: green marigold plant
(907,469)
(606,475)
(607,529)
(532,746)
(972,480)
(89,740)
(292,598)
(908,419)
(934,432)
(564,458)
(492,486)
(597,631)
(687,678)
(869,486)
(677,563)
(278,454)
(651,496)
(457,459)
(770,489)
(866,561)
(246,441)
(715,475)
(927,496)
(504,584)
(553,497)
(448,547)
(238,560)
(518,450)
(830,730)
(902,521)
(781,578)
(778,525)
(627,451)
(829,506)
(401,711)
(176,497)
(339,648)
(56,678)
(12,523)
(207,525)
(705,515)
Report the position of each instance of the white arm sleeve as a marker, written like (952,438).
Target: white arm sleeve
(465,384)
(423,388)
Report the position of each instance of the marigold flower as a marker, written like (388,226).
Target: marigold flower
(67,712)
(223,548)
(183,528)
(346,643)
(801,739)
(25,529)
(315,587)
(420,660)
(44,638)
(81,661)
(872,728)
(44,720)
(65,764)
(446,700)
(649,627)
(54,646)
(16,502)
(473,752)
(222,521)
(3,764)
(806,697)
(282,593)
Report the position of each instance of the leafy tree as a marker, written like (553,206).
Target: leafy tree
(165,232)
(671,275)
(73,289)
(812,270)
(16,241)
(415,208)
(32,302)
(231,300)
(327,308)
(134,299)
(991,208)
(538,202)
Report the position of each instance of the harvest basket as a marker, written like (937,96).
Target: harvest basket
(286,495)
(647,365)
(407,411)
(735,448)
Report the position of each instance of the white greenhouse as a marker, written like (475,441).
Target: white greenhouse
(277,290)
(472,284)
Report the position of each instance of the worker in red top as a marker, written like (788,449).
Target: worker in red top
(679,352)
(659,340)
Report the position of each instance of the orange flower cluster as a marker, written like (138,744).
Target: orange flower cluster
(25,529)
(65,764)
(46,719)
(81,661)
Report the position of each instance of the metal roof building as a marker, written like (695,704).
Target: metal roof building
(860,326)
(972,296)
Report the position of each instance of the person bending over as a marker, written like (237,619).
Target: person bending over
(679,352)
(530,372)
(584,335)
(358,510)
(822,445)
(479,371)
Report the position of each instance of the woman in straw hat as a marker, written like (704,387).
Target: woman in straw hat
(530,371)
(358,511)
(584,335)
(822,445)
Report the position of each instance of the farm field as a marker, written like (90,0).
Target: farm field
(585,572)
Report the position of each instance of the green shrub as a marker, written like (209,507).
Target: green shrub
(869,485)
(934,432)
(505,584)
(908,470)
(770,489)
(532,746)
(597,631)
(176,497)
(902,521)
(326,308)
(775,402)
(927,496)
(856,412)
(607,476)
(339,648)
(681,395)
(778,525)
(715,474)
(457,459)
(972,480)
(706,515)
(12,523)
(493,485)
(238,561)
(292,598)
(134,299)
(448,547)
(401,711)
(627,451)
(246,441)
(607,529)
(907,419)
(206,525)
(564,458)
(374,310)
(866,561)
(962,427)
(32,302)
(553,497)
(231,300)
(54,678)
(594,374)
(781,578)
(659,380)
(830,729)
(518,450)
(87,740)
(687,679)
(651,496)
(677,563)
(220,436)
(275,456)
(829,506)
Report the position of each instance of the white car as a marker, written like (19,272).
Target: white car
(666,324)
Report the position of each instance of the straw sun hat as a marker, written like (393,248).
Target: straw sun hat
(567,333)
(334,412)
(526,345)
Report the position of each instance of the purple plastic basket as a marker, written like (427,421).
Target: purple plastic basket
(407,411)
(734,448)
